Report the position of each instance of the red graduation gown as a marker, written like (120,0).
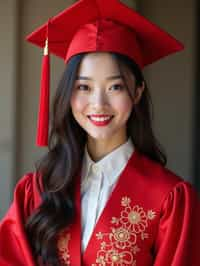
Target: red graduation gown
(151,218)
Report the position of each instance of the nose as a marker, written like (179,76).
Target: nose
(98,98)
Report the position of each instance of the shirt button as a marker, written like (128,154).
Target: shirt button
(95,168)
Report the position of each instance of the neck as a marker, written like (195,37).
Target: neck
(98,149)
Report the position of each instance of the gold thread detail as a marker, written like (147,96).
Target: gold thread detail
(46,48)
(119,246)
(63,247)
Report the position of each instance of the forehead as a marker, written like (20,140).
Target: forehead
(98,64)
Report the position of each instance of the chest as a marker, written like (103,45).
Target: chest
(123,235)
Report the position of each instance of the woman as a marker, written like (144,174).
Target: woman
(102,194)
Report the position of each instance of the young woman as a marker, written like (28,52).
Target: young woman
(102,195)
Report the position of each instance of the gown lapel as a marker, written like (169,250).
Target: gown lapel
(100,235)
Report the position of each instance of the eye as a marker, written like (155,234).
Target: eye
(82,87)
(117,87)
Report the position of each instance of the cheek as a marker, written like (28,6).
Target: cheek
(78,103)
(124,105)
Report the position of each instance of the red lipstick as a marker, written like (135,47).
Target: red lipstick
(100,123)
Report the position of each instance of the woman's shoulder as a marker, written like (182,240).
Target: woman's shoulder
(27,183)
(25,180)
(26,198)
(27,192)
(160,180)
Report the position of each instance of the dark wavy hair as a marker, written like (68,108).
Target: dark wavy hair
(60,165)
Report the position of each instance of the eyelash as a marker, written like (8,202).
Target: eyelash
(86,86)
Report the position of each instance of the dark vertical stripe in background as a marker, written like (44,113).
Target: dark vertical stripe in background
(196,161)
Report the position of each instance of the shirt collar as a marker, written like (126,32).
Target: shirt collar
(110,165)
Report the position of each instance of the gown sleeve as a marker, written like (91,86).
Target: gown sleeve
(178,237)
(14,246)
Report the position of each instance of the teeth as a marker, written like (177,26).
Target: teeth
(100,118)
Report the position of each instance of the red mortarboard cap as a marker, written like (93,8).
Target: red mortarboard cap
(99,25)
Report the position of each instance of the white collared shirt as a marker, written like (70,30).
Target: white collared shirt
(97,182)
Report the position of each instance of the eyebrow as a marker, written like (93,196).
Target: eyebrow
(108,78)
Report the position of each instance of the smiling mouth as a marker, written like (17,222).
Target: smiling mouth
(100,118)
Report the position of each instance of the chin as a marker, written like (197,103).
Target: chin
(102,136)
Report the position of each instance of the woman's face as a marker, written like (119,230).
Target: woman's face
(100,90)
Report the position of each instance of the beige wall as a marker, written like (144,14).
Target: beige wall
(172,82)
(8,29)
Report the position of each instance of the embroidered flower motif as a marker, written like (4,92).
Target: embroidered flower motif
(151,215)
(63,247)
(135,249)
(134,218)
(115,258)
(122,237)
(99,235)
(125,201)
(115,220)
(118,246)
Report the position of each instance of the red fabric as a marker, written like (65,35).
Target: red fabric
(106,35)
(82,28)
(43,118)
(14,246)
(153,211)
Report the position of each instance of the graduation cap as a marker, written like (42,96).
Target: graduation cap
(95,26)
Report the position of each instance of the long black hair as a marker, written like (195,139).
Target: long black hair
(59,167)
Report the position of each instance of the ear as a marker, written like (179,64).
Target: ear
(138,93)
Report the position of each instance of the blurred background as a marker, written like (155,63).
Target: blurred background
(173,83)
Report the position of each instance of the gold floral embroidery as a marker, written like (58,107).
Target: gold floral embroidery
(118,247)
(63,247)
(134,218)
(151,215)
(115,257)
